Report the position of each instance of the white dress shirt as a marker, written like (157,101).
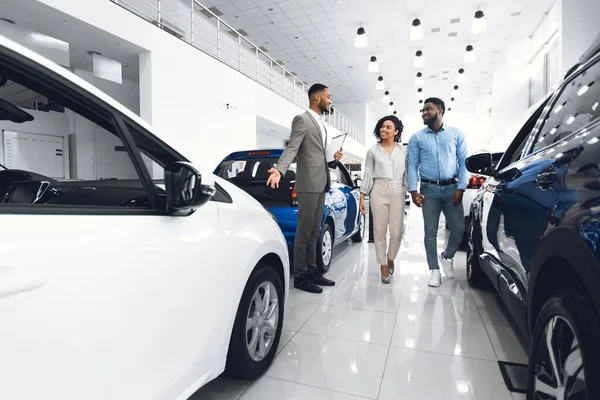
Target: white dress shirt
(380,164)
(319,119)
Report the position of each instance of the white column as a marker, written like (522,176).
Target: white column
(579,29)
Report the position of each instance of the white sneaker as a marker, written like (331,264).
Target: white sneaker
(447,266)
(436,278)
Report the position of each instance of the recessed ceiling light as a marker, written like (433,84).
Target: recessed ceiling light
(515,14)
(455,20)
(446,72)
(10,21)
(435,30)
(236,17)
(453,34)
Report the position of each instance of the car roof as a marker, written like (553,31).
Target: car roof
(255,153)
(68,75)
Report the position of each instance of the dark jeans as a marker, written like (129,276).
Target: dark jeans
(438,199)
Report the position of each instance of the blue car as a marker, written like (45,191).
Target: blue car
(341,215)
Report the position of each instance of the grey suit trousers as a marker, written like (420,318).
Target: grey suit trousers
(310,213)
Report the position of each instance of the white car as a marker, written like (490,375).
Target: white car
(474,182)
(135,278)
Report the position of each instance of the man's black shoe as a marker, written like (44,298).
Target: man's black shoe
(306,284)
(319,279)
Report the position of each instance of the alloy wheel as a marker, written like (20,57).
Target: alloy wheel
(326,247)
(262,321)
(470,248)
(559,372)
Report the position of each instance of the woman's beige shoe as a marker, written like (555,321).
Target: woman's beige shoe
(391,267)
(385,279)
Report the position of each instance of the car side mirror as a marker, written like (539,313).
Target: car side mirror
(184,188)
(509,175)
(480,164)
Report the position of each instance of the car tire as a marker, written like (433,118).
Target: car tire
(360,234)
(475,275)
(255,324)
(571,327)
(325,248)
(464,244)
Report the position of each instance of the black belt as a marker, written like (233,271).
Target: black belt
(441,183)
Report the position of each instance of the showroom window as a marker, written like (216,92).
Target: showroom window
(544,63)
(58,152)
(576,107)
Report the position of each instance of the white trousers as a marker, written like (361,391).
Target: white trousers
(386,202)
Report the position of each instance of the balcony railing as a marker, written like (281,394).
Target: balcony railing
(199,26)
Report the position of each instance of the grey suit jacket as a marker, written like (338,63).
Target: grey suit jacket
(306,146)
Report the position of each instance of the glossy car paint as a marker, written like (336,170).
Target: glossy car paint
(539,229)
(341,208)
(125,306)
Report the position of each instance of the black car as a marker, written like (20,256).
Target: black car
(534,233)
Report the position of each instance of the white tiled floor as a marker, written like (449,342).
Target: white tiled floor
(366,340)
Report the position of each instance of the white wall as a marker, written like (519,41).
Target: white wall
(579,29)
(45,123)
(510,93)
(88,150)
(126,93)
(184,92)
(370,121)
(268,140)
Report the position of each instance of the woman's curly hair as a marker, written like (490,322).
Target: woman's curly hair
(397,123)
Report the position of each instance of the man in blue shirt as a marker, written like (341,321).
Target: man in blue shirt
(437,154)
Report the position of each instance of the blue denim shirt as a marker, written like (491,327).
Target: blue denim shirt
(438,156)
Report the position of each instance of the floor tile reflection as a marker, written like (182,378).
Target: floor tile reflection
(363,339)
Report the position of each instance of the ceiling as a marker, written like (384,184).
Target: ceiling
(315,40)
(37,17)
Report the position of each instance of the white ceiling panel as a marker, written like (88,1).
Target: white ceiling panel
(326,30)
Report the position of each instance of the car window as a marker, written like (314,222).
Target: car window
(60,149)
(576,107)
(520,146)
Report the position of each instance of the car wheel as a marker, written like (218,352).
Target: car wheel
(257,328)
(564,362)
(325,249)
(360,234)
(464,244)
(475,275)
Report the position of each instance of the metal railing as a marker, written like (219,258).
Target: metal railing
(202,28)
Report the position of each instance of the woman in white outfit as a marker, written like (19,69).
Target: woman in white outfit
(385,181)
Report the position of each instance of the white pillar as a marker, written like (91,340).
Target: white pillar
(579,28)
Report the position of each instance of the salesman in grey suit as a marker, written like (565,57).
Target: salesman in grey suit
(307,145)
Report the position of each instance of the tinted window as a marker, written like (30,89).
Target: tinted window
(57,151)
(576,107)
(251,174)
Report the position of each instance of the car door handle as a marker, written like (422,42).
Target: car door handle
(13,282)
(546,179)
